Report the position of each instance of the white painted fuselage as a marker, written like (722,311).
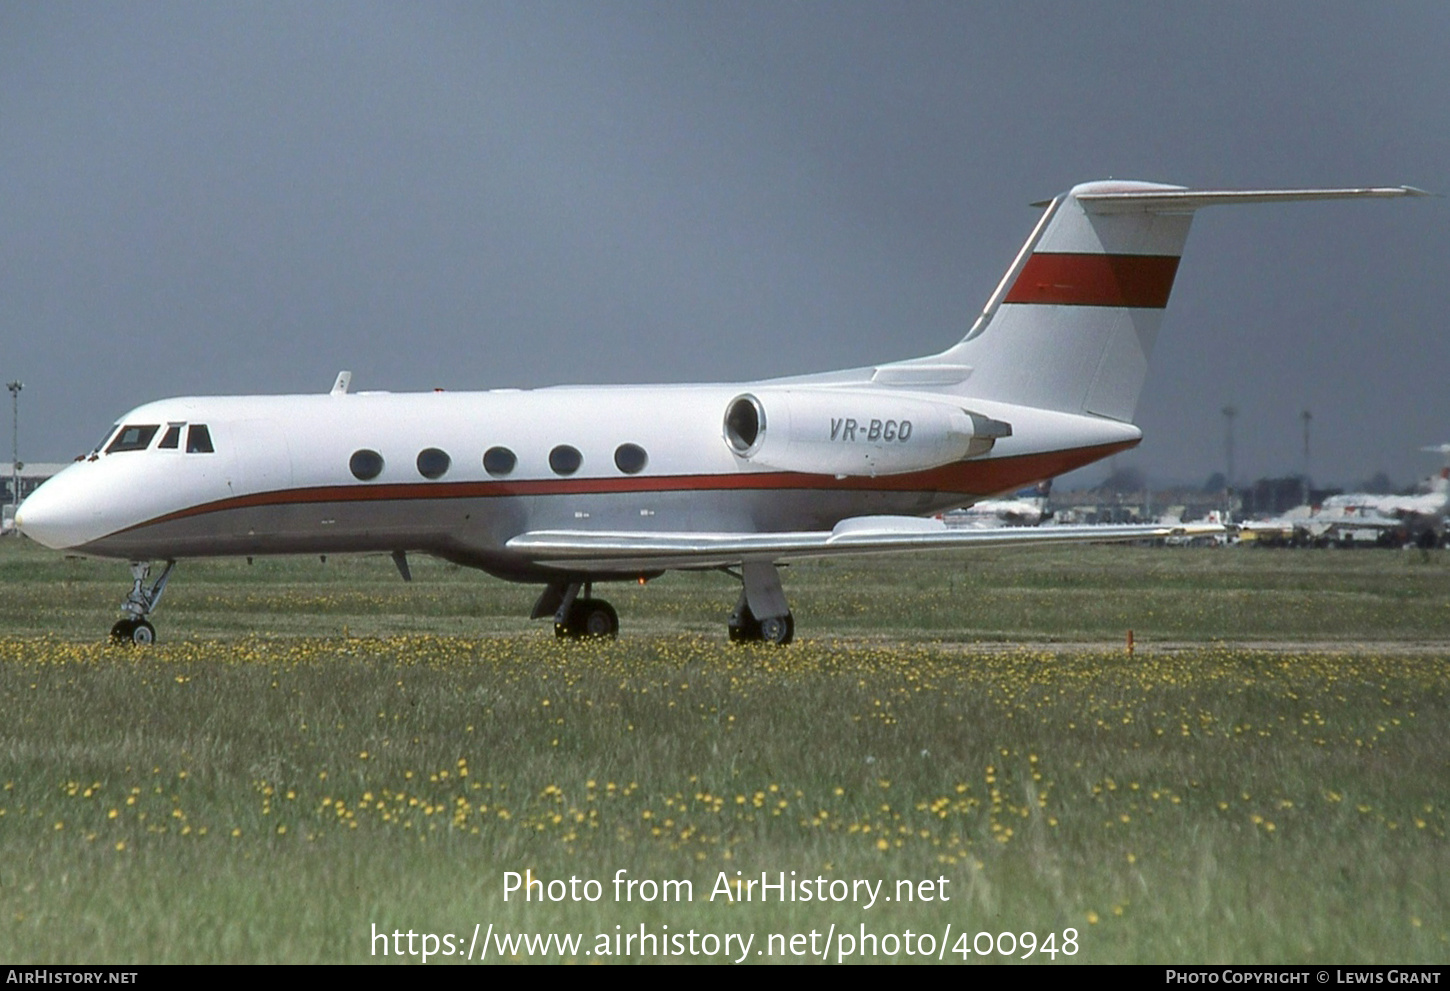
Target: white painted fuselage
(278,479)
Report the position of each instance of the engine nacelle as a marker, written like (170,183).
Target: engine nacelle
(831,432)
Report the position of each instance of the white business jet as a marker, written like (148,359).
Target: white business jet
(1025,508)
(572,486)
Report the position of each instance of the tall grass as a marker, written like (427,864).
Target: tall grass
(1006,596)
(274,795)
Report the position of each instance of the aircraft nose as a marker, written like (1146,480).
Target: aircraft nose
(56,515)
(37,520)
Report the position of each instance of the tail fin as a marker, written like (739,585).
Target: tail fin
(1073,322)
(1440,482)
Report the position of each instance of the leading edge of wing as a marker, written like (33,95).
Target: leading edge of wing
(604,550)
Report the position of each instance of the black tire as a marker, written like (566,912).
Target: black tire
(133,631)
(595,618)
(589,618)
(743,627)
(779,630)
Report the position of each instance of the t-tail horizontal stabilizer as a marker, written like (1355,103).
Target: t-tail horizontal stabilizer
(1073,322)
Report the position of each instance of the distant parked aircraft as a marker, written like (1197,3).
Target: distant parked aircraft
(1359,517)
(1027,507)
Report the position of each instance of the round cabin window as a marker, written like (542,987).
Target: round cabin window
(499,461)
(433,463)
(630,458)
(365,465)
(565,460)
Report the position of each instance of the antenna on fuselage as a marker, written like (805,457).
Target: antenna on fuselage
(343,383)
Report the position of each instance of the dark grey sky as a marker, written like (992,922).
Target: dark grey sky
(233,198)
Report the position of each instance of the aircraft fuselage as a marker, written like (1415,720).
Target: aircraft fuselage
(280,480)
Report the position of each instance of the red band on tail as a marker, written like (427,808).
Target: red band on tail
(1095,280)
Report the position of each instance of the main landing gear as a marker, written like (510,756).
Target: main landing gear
(577,616)
(761,614)
(139,603)
(745,628)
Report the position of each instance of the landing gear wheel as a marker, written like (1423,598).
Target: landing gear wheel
(589,618)
(595,618)
(779,630)
(133,631)
(743,627)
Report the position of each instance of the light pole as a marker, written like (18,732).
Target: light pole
(1229,412)
(14,388)
(1306,416)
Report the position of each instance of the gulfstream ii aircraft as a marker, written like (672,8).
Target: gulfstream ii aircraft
(572,486)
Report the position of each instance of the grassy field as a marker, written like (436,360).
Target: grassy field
(1077,594)
(318,752)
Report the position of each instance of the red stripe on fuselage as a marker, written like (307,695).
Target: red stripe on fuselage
(970,478)
(1142,281)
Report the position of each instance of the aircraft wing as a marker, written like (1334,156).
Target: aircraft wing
(603,550)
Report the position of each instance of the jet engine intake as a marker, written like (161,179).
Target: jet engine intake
(843,433)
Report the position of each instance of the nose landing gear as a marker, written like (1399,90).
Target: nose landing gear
(133,631)
(134,628)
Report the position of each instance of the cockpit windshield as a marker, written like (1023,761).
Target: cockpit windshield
(138,437)
(107,436)
(198,440)
(133,437)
